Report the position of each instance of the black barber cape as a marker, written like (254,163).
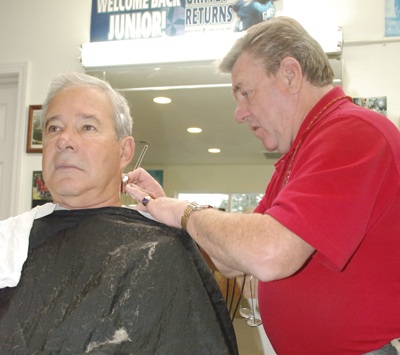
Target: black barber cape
(110,281)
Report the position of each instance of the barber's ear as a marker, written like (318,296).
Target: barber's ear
(127,151)
(292,73)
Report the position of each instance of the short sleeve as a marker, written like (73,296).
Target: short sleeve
(337,178)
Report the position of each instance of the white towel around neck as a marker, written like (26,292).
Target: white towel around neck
(14,243)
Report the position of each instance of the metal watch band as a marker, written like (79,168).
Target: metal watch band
(192,206)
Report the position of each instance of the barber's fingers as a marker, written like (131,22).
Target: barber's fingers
(164,209)
(137,192)
(138,175)
(142,179)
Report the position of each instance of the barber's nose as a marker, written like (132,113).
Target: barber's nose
(241,113)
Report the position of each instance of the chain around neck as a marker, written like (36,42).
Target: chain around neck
(309,126)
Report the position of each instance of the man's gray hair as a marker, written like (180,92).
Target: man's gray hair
(271,41)
(122,116)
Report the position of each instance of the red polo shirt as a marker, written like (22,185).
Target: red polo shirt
(342,197)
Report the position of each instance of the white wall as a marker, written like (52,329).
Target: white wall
(369,69)
(47,34)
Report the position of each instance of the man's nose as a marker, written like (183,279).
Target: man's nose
(66,140)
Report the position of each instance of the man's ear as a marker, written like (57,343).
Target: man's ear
(127,151)
(292,73)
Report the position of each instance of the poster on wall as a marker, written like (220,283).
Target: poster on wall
(378,104)
(113,20)
(158,175)
(392,18)
(40,193)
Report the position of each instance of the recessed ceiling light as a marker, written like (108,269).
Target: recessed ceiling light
(214,150)
(194,130)
(162,100)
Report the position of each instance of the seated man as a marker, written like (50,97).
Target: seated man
(97,277)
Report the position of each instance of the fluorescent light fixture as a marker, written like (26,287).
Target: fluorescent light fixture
(162,100)
(194,130)
(214,150)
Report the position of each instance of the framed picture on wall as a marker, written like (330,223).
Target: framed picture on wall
(376,103)
(40,193)
(34,140)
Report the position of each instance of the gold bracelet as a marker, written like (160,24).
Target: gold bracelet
(192,206)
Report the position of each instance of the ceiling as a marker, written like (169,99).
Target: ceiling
(201,97)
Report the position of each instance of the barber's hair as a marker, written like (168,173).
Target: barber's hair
(122,116)
(271,41)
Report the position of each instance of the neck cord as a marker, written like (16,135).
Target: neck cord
(310,125)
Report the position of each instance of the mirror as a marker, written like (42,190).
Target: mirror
(201,97)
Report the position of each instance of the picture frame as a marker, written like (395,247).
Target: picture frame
(40,193)
(34,138)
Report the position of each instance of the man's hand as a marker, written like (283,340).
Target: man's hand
(145,182)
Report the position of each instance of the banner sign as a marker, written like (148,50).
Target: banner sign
(132,19)
(392,18)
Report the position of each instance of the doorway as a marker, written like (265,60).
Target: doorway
(12,103)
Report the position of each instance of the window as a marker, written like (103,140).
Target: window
(239,203)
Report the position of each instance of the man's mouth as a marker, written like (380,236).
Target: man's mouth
(66,166)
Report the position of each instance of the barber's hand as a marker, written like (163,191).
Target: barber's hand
(164,209)
(144,181)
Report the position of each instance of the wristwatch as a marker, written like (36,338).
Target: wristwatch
(191,207)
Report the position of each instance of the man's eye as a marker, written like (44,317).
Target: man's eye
(51,129)
(89,128)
